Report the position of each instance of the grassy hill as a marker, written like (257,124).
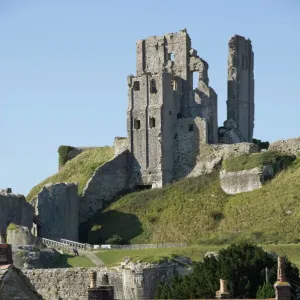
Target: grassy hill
(79,169)
(196,210)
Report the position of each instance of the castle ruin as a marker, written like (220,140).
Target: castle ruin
(167,118)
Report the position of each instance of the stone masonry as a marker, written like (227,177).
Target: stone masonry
(240,101)
(56,210)
(14,209)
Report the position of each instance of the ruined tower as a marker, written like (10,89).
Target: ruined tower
(240,98)
(163,108)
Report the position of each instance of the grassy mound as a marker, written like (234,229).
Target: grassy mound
(250,161)
(196,210)
(79,169)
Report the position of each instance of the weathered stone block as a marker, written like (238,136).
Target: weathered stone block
(246,180)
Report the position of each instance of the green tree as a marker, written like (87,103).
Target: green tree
(243,266)
(265,291)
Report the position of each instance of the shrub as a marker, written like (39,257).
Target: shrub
(115,240)
(63,152)
(265,291)
(261,145)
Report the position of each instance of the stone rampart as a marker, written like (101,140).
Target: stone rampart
(246,180)
(56,208)
(290,146)
(108,181)
(14,209)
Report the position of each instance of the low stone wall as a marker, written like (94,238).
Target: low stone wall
(14,209)
(73,283)
(145,246)
(56,208)
(290,146)
(106,183)
(246,180)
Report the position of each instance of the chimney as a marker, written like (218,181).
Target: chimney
(223,292)
(282,287)
(103,292)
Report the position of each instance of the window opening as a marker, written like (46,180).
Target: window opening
(171,56)
(136,86)
(174,85)
(137,124)
(153,89)
(195,80)
(152,122)
(179,115)
(191,127)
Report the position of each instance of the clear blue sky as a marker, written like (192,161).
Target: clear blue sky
(64,64)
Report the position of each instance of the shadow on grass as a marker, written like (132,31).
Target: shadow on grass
(62,261)
(106,224)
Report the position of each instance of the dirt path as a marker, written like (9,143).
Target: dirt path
(93,257)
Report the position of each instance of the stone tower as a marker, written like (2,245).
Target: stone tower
(163,106)
(240,98)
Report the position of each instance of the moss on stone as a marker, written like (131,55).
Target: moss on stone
(12,226)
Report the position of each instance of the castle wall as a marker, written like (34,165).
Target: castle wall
(120,145)
(73,283)
(106,183)
(14,209)
(289,147)
(20,236)
(56,208)
(240,98)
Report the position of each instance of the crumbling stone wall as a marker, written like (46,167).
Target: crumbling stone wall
(240,98)
(20,236)
(106,183)
(120,145)
(290,146)
(56,209)
(246,180)
(14,209)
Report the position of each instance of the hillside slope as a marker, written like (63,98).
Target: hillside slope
(79,169)
(196,210)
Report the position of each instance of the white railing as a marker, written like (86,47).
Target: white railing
(73,244)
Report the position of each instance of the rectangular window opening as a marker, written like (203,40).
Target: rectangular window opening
(171,56)
(137,124)
(191,127)
(153,89)
(195,80)
(174,85)
(136,86)
(152,122)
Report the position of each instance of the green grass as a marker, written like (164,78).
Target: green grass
(197,211)
(196,253)
(79,169)
(70,261)
(250,161)
(113,257)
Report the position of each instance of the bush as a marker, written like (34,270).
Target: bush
(261,145)
(266,291)
(241,265)
(63,152)
(115,240)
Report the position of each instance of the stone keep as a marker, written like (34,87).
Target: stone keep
(240,98)
(162,104)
